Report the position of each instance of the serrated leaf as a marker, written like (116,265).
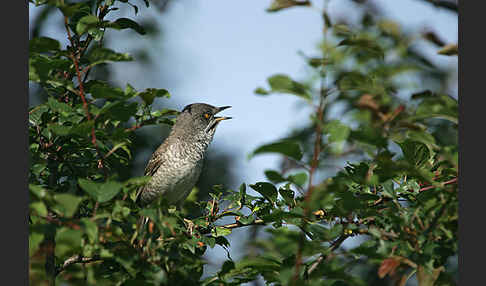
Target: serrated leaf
(39,208)
(150,94)
(416,153)
(103,90)
(43,44)
(337,131)
(287,147)
(35,239)
(70,9)
(125,23)
(82,129)
(39,191)
(274,176)
(85,23)
(318,62)
(288,195)
(299,179)
(220,231)
(449,50)
(267,190)
(103,55)
(35,114)
(91,229)
(68,242)
(67,204)
(59,107)
(101,192)
(282,83)
(278,5)
(261,91)
(60,130)
(246,219)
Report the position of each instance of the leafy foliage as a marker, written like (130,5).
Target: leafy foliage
(397,190)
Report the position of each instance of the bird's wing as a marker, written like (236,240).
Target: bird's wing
(153,165)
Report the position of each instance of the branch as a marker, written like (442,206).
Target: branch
(81,94)
(76,259)
(235,225)
(451,181)
(333,247)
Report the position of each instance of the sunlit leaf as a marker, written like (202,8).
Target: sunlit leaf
(286,147)
(101,192)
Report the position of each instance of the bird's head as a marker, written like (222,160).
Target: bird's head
(200,119)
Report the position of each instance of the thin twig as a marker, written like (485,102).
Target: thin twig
(235,225)
(81,94)
(315,155)
(76,259)
(451,181)
(333,247)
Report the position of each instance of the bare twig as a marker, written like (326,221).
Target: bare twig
(76,259)
(75,59)
(451,181)
(333,247)
(315,156)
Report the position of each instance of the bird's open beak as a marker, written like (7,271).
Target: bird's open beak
(217,119)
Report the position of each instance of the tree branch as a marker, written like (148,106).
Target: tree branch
(333,247)
(451,181)
(76,259)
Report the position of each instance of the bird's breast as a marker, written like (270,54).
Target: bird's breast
(180,171)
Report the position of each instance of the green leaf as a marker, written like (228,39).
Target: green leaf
(150,94)
(337,131)
(274,176)
(436,106)
(288,195)
(99,89)
(286,147)
(318,62)
(70,9)
(278,5)
(59,107)
(449,50)
(246,219)
(67,204)
(354,81)
(35,114)
(39,208)
(60,130)
(39,191)
(220,231)
(416,153)
(299,179)
(68,242)
(284,84)
(43,44)
(103,55)
(91,229)
(125,23)
(261,91)
(122,110)
(35,239)
(82,129)
(267,190)
(371,47)
(86,23)
(101,192)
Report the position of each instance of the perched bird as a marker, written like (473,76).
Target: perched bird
(176,165)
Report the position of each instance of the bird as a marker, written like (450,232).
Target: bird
(176,164)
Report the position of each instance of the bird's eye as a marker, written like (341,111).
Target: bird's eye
(207,115)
